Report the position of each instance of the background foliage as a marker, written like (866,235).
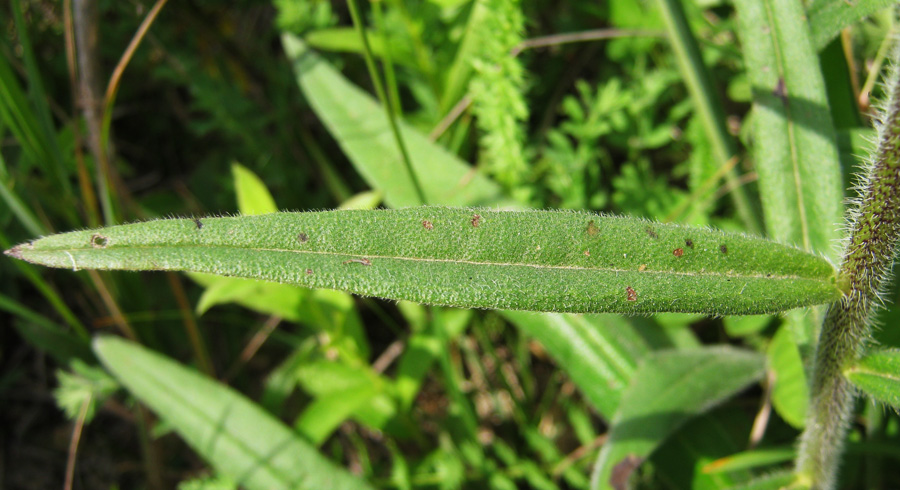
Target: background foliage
(402,395)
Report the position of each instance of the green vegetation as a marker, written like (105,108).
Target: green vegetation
(649,122)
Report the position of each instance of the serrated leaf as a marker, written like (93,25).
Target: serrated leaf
(878,375)
(528,260)
(237,437)
(668,389)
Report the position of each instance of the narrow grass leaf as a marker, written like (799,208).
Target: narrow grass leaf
(795,145)
(361,128)
(878,375)
(790,394)
(599,353)
(476,258)
(828,17)
(236,436)
(667,390)
(752,459)
(775,481)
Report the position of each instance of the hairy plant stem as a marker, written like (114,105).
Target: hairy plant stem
(874,231)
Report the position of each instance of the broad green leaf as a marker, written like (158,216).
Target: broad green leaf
(790,394)
(828,17)
(324,415)
(237,437)
(878,375)
(252,195)
(679,462)
(283,300)
(667,390)
(795,145)
(599,353)
(361,128)
(476,258)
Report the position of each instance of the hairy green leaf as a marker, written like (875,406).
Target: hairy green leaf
(795,144)
(878,375)
(240,439)
(668,389)
(521,260)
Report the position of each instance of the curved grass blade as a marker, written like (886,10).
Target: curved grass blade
(476,258)
(236,436)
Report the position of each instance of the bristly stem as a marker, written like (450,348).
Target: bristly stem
(874,231)
(382,96)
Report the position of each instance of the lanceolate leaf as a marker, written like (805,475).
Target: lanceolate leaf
(668,389)
(795,145)
(237,437)
(878,375)
(525,260)
(360,126)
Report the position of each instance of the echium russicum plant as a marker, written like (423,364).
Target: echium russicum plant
(870,249)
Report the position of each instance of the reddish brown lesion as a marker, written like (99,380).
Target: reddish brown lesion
(358,261)
(476,220)
(631,293)
(427,225)
(678,252)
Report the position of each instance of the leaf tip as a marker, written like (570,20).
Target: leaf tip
(16,252)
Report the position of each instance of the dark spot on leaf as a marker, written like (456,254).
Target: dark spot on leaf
(587,253)
(427,224)
(780,91)
(678,252)
(309,272)
(476,220)
(723,249)
(592,229)
(198,223)
(622,471)
(99,241)
(689,243)
(631,293)
(302,237)
(652,233)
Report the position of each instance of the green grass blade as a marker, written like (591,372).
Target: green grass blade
(752,459)
(668,389)
(237,437)
(360,126)
(708,107)
(878,375)
(795,146)
(599,353)
(790,394)
(828,17)
(478,258)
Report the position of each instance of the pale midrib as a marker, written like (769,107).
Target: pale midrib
(703,273)
(795,165)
